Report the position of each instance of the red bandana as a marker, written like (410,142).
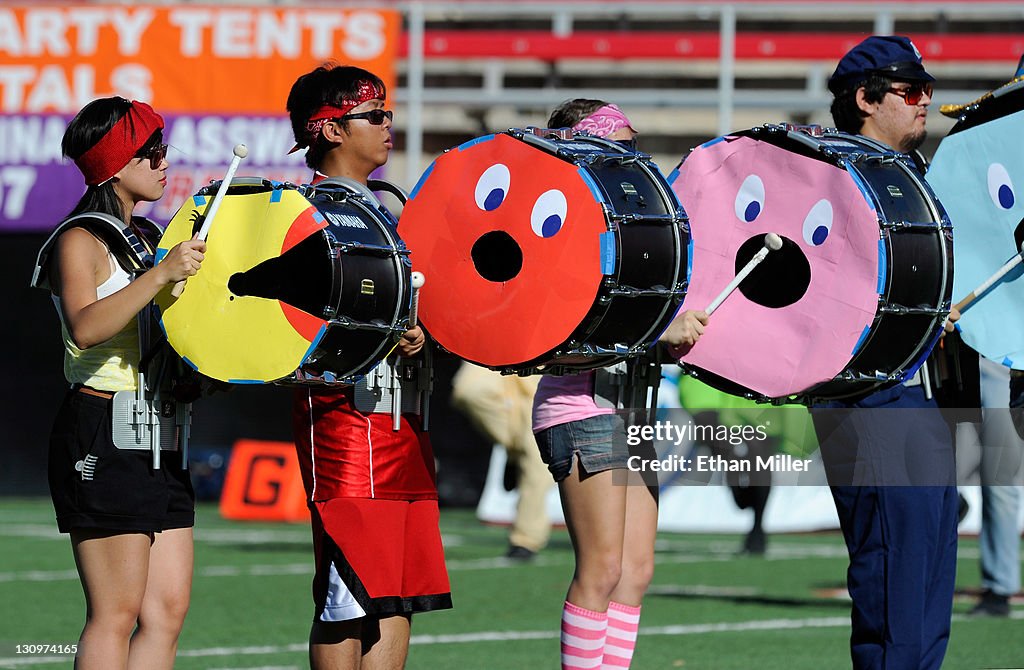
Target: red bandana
(367,91)
(116,149)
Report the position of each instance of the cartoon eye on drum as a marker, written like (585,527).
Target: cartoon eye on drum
(545,250)
(978,173)
(860,286)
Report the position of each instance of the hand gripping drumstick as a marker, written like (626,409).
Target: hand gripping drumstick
(987,284)
(772,242)
(417,280)
(240,151)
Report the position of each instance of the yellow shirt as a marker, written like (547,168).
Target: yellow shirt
(112,365)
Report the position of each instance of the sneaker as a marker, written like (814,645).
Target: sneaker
(755,543)
(992,604)
(517,553)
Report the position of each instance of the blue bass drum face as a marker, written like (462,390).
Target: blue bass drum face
(978,174)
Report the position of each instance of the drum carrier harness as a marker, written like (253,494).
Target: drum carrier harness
(157,416)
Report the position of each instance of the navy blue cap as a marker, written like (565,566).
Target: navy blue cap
(891,56)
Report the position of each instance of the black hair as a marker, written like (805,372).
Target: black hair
(571,112)
(846,115)
(87,128)
(329,84)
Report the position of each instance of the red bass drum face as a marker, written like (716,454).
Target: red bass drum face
(508,238)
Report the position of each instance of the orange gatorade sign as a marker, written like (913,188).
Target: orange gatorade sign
(263,483)
(181,59)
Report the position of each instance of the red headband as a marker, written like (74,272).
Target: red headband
(367,91)
(115,149)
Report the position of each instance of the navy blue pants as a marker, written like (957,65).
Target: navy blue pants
(901,538)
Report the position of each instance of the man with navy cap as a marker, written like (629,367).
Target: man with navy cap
(900,531)
(882,91)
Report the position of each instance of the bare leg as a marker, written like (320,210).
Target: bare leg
(638,544)
(386,643)
(165,603)
(595,514)
(113,568)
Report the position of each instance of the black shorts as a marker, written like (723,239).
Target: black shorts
(94,484)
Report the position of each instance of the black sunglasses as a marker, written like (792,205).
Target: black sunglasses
(374,116)
(155,154)
(912,94)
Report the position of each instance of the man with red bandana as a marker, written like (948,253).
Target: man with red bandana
(372,491)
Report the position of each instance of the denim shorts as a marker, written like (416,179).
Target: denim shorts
(599,442)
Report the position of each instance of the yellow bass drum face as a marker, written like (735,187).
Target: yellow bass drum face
(223,334)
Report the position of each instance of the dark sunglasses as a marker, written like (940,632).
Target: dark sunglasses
(155,154)
(374,116)
(913,94)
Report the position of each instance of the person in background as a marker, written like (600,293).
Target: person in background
(500,406)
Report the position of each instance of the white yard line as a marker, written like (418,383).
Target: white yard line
(503,636)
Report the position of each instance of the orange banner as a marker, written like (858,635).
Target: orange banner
(181,59)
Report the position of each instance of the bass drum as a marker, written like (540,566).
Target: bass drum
(978,172)
(543,251)
(857,296)
(305,285)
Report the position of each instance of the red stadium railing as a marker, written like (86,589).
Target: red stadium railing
(544,45)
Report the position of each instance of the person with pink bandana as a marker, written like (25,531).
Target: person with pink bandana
(575,432)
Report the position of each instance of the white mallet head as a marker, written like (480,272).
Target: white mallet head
(241,150)
(773,241)
(418,280)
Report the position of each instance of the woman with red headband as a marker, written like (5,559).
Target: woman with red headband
(130,524)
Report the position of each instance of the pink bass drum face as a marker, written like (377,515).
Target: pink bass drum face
(797,320)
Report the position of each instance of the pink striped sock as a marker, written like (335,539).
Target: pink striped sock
(623,626)
(583,635)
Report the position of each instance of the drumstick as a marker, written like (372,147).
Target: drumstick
(240,151)
(772,242)
(987,284)
(418,280)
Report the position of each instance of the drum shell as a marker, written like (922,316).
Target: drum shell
(369,283)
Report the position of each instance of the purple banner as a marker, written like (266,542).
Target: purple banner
(38,187)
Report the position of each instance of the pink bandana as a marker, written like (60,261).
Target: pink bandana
(367,91)
(604,122)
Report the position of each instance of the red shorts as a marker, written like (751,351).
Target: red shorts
(344,453)
(377,558)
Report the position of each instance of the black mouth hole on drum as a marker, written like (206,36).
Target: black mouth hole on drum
(293,278)
(497,256)
(780,279)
